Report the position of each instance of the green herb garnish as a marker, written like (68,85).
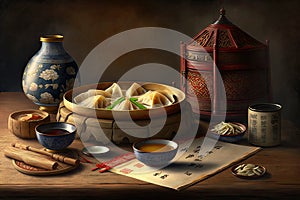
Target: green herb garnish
(118,101)
(134,101)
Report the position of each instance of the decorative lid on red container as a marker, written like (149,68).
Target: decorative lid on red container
(226,36)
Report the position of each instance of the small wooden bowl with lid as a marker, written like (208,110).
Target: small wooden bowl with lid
(22,123)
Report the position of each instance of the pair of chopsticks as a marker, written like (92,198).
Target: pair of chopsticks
(55,156)
(107,165)
(83,159)
(101,166)
(37,157)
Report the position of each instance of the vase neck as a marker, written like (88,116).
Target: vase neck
(53,48)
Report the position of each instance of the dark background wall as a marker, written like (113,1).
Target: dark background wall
(87,23)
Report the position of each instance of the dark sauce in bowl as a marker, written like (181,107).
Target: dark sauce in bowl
(56,132)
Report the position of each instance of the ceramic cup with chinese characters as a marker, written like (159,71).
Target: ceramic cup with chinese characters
(264,124)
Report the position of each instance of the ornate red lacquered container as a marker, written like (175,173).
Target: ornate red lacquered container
(243,63)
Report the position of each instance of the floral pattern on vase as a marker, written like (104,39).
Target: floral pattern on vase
(50,73)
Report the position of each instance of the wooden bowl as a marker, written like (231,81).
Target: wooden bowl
(101,113)
(26,129)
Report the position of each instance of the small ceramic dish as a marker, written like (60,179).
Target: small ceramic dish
(232,137)
(95,150)
(22,123)
(155,152)
(55,135)
(252,172)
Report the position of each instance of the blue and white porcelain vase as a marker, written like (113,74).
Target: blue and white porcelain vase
(49,74)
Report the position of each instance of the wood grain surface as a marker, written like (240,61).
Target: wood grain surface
(282,180)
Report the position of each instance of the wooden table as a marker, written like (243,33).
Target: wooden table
(282,163)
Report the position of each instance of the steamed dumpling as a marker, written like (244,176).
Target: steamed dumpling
(125,105)
(98,101)
(136,97)
(152,99)
(114,90)
(90,93)
(135,90)
(168,94)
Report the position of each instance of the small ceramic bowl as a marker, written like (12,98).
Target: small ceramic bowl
(155,152)
(55,135)
(248,174)
(95,150)
(22,123)
(230,138)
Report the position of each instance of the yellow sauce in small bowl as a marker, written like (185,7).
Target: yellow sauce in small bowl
(155,148)
(155,152)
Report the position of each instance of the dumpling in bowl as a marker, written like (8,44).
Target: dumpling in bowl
(135,90)
(90,93)
(153,99)
(115,91)
(168,94)
(125,105)
(98,101)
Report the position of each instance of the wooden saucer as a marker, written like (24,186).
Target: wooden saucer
(35,171)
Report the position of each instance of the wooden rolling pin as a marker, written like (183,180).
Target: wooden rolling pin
(30,158)
(64,159)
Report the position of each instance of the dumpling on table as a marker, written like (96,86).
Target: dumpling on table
(154,99)
(90,93)
(135,90)
(115,91)
(98,101)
